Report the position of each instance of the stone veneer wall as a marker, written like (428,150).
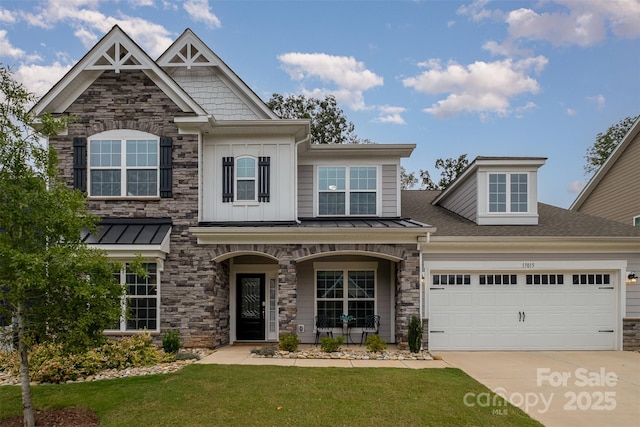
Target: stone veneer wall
(631,334)
(407,292)
(194,290)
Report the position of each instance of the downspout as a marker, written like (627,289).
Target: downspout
(295,177)
(422,280)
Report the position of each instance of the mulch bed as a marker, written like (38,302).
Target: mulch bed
(65,417)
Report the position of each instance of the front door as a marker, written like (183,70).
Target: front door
(251,305)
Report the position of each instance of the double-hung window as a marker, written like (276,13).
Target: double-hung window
(140,308)
(246,178)
(124,167)
(347,190)
(344,291)
(508,192)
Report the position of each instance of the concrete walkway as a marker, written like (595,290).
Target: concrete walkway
(241,355)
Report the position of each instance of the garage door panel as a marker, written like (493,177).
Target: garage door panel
(511,317)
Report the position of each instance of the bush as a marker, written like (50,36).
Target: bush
(375,344)
(415,334)
(49,363)
(171,341)
(289,342)
(330,345)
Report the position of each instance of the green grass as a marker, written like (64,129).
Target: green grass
(230,395)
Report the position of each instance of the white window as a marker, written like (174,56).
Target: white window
(350,292)
(140,308)
(246,178)
(123,167)
(508,192)
(347,190)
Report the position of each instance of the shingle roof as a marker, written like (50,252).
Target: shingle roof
(129,231)
(552,222)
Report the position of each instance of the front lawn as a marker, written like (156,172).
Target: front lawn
(232,395)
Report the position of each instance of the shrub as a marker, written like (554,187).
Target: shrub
(289,342)
(330,345)
(375,344)
(171,341)
(415,334)
(269,350)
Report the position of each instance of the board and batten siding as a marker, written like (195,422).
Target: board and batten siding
(280,207)
(616,196)
(305,191)
(389,191)
(464,201)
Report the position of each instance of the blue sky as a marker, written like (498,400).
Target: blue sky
(485,78)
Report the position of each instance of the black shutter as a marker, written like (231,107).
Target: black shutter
(264,178)
(166,166)
(227,179)
(80,164)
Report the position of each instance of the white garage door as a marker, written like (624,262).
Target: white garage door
(522,312)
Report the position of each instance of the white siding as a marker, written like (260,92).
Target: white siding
(281,204)
(213,94)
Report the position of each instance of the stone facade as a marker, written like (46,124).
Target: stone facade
(631,334)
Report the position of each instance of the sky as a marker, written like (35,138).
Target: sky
(482,78)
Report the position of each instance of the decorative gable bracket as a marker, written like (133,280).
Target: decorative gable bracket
(117,57)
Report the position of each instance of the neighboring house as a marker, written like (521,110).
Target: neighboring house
(614,193)
(248,231)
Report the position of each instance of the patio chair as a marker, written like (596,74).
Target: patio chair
(371,326)
(323,326)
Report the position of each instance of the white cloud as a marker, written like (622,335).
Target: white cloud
(39,79)
(200,11)
(481,87)
(90,24)
(350,77)
(141,3)
(7,49)
(599,100)
(571,112)
(575,187)
(389,114)
(7,16)
(477,11)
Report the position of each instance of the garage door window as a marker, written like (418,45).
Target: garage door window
(498,279)
(545,279)
(591,279)
(451,279)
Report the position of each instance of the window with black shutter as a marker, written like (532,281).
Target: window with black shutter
(227,179)
(264,178)
(80,163)
(166,167)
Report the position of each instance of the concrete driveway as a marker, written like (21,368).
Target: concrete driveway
(558,388)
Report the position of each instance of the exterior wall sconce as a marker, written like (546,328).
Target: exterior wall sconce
(632,279)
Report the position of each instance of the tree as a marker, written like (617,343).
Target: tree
(451,168)
(52,286)
(329,125)
(407,180)
(605,143)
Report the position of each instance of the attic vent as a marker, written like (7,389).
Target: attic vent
(116,57)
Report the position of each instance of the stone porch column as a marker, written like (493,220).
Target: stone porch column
(287,295)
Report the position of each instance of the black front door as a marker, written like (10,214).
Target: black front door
(251,306)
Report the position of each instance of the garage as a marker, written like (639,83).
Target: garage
(539,310)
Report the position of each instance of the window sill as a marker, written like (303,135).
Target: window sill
(246,203)
(128,199)
(114,333)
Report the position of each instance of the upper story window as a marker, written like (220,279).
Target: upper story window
(347,190)
(246,178)
(124,167)
(636,221)
(508,192)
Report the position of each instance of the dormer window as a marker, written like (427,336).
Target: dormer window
(347,190)
(508,192)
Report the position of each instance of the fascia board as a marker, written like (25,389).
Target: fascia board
(357,150)
(292,235)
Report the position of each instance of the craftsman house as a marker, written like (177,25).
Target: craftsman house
(250,231)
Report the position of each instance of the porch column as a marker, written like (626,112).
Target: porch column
(287,295)
(407,294)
